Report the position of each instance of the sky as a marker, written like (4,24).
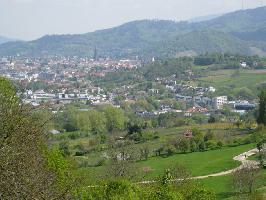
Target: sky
(31,19)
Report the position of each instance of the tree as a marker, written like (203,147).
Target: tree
(122,162)
(219,144)
(245,178)
(83,122)
(202,146)
(169,149)
(212,119)
(260,145)
(238,123)
(209,136)
(68,119)
(183,145)
(262,108)
(97,122)
(134,128)
(159,151)
(26,164)
(115,118)
(193,146)
(262,154)
(144,153)
(200,193)
(64,148)
(121,190)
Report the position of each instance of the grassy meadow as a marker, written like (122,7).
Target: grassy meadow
(230,78)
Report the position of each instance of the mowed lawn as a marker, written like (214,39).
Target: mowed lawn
(245,79)
(223,185)
(199,163)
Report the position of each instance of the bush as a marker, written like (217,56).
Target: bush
(101,162)
(121,190)
(170,150)
(211,144)
(200,193)
(220,144)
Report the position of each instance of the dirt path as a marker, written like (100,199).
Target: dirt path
(241,158)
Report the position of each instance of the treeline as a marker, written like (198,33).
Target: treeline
(180,68)
(229,61)
(103,120)
(171,67)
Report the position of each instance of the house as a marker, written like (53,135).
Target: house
(244,106)
(44,76)
(188,134)
(197,109)
(219,102)
(211,89)
(40,94)
(243,64)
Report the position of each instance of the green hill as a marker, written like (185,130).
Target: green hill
(241,32)
(4,39)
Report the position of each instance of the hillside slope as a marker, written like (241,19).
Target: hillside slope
(238,32)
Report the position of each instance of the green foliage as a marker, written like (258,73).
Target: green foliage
(64,148)
(262,108)
(235,32)
(115,118)
(58,165)
(97,122)
(123,190)
(167,68)
(68,119)
(7,89)
(169,149)
(26,165)
(200,193)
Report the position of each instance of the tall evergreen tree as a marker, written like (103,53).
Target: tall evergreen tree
(262,108)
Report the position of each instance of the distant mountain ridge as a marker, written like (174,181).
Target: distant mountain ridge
(241,32)
(204,18)
(5,39)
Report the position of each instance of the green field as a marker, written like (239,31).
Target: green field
(246,78)
(199,163)
(223,188)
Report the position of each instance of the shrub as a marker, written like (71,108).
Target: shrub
(170,150)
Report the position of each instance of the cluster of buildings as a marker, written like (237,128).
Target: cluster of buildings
(59,68)
(61,80)
(87,97)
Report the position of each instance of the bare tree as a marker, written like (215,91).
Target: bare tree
(122,162)
(245,178)
(144,153)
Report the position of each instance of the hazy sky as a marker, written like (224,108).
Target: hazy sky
(30,19)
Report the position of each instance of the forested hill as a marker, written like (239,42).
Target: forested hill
(242,32)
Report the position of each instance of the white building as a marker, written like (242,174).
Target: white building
(211,89)
(40,94)
(243,64)
(218,102)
